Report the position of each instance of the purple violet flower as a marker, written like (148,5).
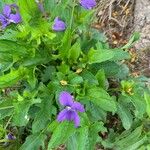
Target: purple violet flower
(71,109)
(58,25)
(10,136)
(88,4)
(8,17)
(40,5)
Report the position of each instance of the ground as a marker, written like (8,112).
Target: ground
(118,19)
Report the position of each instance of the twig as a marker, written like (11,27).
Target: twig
(110,12)
(125,6)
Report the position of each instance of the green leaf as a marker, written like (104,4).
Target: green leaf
(147,99)
(100,75)
(11,47)
(28,10)
(50,5)
(35,61)
(53,126)
(20,117)
(43,116)
(48,72)
(31,79)
(135,37)
(112,69)
(75,78)
(93,133)
(98,36)
(129,139)
(74,53)
(125,115)
(66,44)
(89,77)
(71,143)
(136,144)
(139,104)
(33,142)
(98,56)
(96,113)
(1,6)
(82,138)
(61,133)
(102,99)
(6,108)
(12,77)
(21,109)
(119,54)
(123,71)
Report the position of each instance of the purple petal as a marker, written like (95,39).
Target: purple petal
(7,10)
(11,136)
(69,115)
(78,107)
(62,115)
(40,5)
(65,99)
(76,119)
(3,21)
(88,4)
(15,18)
(59,25)
(2,18)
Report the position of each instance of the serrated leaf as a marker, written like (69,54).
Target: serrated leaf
(43,116)
(100,75)
(101,98)
(33,142)
(96,56)
(62,132)
(6,108)
(130,139)
(12,77)
(21,109)
(53,126)
(48,73)
(74,53)
(96,113)
(82,139)
(28,9)
(72,143)
(93,133)
(11,47)
(137,144)
(112,69)
(135,37)
(123,71)
(139,104)
(76,80)
(35,61)
(119,54)
(125,115)
(88,76)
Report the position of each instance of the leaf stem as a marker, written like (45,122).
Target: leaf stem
(71,20)
(8,121)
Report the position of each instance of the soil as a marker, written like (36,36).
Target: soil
(118,19)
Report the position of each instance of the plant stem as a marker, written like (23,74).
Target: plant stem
(71,20)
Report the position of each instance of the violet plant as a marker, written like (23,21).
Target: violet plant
(70,112)
(62,84)
(8,17)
